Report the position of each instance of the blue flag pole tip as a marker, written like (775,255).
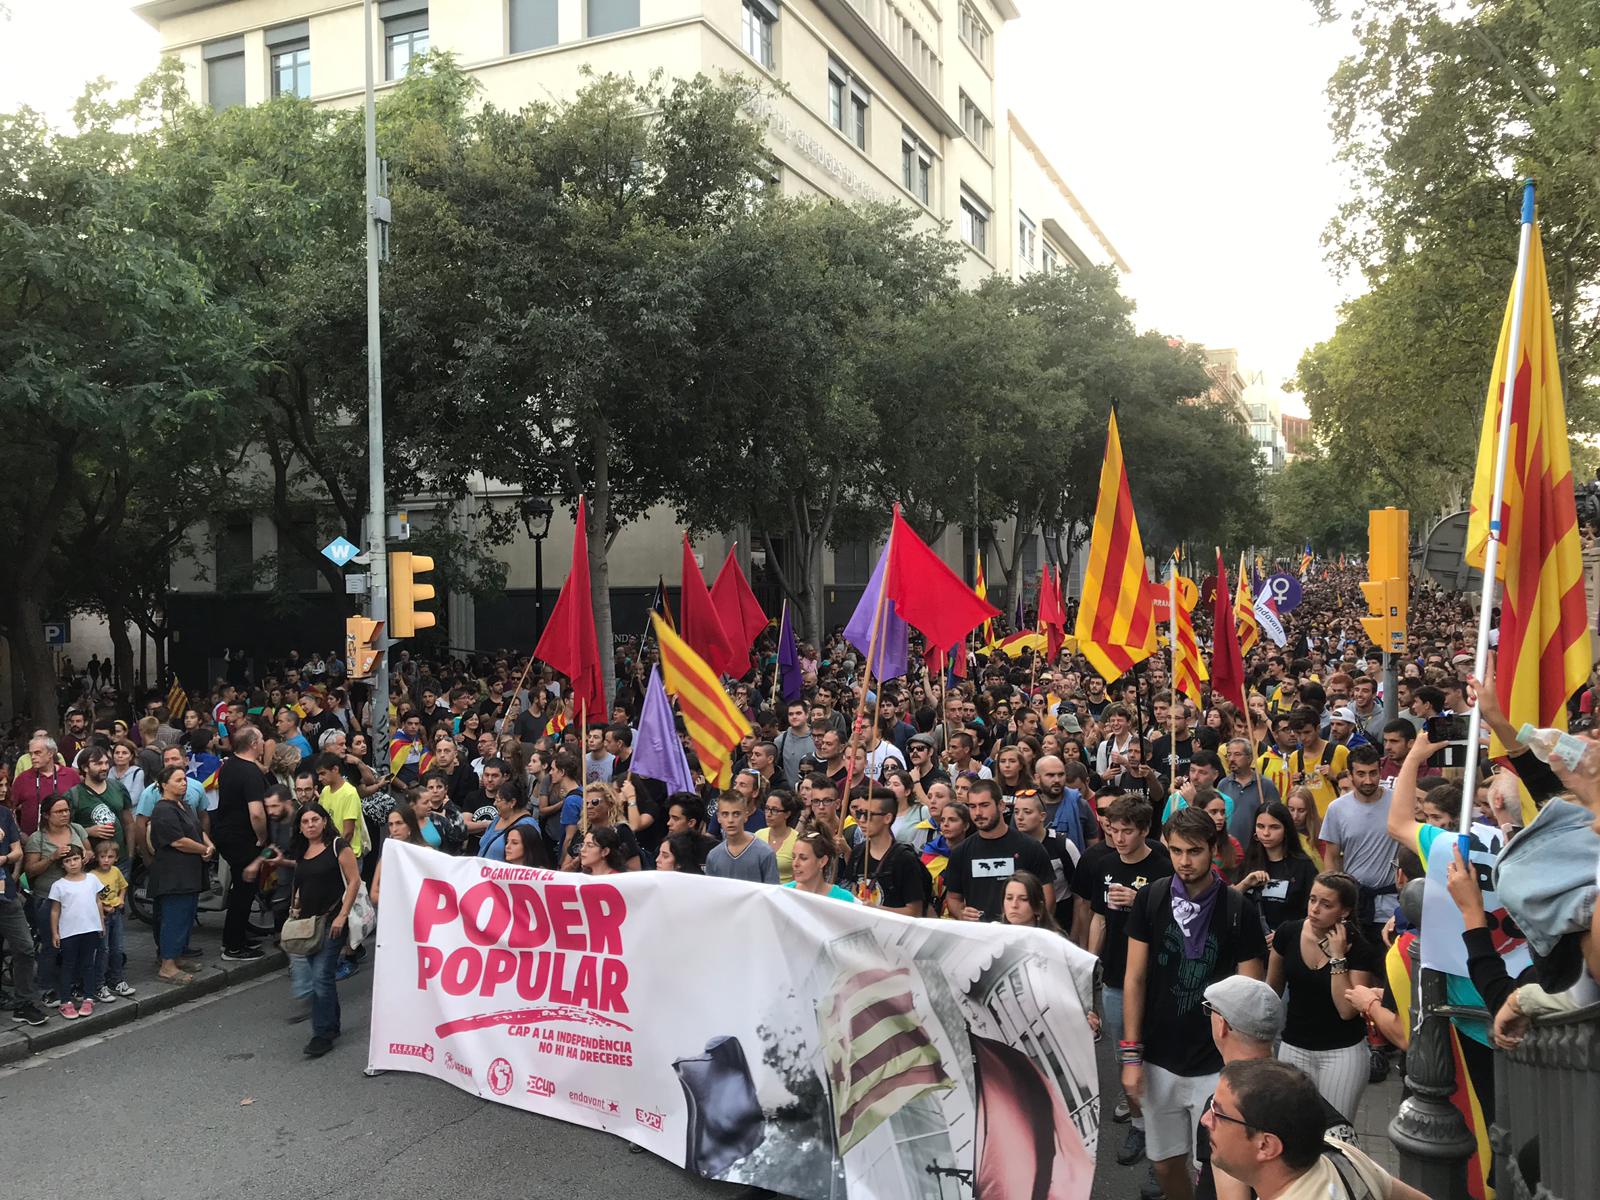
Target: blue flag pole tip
(1527,201)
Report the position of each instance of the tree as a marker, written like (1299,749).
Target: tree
(1439,114)
(1316,500)
(114,358)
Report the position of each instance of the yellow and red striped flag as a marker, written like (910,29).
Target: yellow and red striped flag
(1544,651)
(1187,667)
(1244,612)
(714,722)
(1116,617)
(980,588)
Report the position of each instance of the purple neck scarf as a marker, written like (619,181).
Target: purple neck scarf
(1194,916)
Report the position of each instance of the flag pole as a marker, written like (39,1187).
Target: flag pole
(777,667)
(1172,702)
(520,684)
(1244,688)
(1491,553)
(866,677)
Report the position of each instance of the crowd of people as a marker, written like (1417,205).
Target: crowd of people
(1237,873)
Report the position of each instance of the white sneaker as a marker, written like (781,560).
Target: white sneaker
(104,995)
(124,989)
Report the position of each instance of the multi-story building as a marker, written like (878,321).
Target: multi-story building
(882,100)
(1264,409)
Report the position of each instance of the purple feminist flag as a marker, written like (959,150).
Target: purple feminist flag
(893,639)
(792,680)
(657,752)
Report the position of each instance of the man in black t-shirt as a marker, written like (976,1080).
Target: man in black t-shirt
(1169,764)
(1107,882)
(979,868)
(882,872)
(1183,935)
(239,829)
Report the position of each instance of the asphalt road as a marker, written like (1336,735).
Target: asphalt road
(215,1099)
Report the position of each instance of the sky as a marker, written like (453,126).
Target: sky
(1195,134)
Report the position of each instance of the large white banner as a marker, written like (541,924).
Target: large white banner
(747,1033)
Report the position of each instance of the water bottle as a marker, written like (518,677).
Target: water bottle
(1554,744)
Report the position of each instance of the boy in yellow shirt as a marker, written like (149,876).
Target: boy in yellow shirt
(110,979)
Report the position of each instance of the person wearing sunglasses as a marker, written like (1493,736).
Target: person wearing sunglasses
(1266,1131)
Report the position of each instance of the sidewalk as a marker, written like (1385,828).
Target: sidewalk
(18,1041)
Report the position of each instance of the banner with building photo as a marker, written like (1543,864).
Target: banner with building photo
(747,1033)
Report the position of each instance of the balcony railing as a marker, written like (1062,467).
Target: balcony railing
(1547,1094)
(902,37)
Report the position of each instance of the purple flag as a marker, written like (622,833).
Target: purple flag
(894,647)
(657,752)
(792,679)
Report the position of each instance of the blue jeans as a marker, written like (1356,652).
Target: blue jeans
(110,968)
(177,913)
(312,975)
(78,954)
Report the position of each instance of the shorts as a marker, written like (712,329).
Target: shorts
(1172,1107)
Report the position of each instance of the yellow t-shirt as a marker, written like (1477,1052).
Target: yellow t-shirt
(1323,789)
(784,854)
(113,887)
(344,804)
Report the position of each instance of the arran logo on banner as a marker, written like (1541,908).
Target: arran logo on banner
(412,1050)
(500,1077)
(538,1085)
(594,1102)
(456,1065)
(650,1120)
(558,947)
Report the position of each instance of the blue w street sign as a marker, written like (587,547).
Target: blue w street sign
(340,551)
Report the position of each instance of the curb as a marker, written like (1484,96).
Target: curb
(35,1039)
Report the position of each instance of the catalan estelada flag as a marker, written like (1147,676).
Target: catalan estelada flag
(1116,617)
(1544,651)
(1187,668)
(714,722)
(1244,613)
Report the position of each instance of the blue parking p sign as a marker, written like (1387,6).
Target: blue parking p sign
(57,633)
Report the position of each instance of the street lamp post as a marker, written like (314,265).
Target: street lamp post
(536,514)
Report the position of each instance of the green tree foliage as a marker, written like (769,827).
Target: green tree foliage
(1439,114)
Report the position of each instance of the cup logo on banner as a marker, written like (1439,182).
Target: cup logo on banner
(841,1056)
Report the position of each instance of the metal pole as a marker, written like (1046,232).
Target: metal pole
(377,508)
(538,589)
(1391,701)
(1491,555)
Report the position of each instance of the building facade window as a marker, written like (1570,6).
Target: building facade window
(1049,259)
(235,544)
(612,16)
(916,166)
(848,103)
(1027,237)
(975,33)
(978,128)
(760,19)
(224,72)
(289,56)
(405,35)
(533,25)
(974,222)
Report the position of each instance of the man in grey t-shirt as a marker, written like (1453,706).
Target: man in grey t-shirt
(795,742)
(739,855)
(1356,829)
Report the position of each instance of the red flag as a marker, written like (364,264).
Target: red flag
(569,643)
(1052,613)
(698,623)
(1227,663)
(927,593)
(740,613)
(1025,1146)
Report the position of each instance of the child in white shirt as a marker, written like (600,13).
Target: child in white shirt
(76,926)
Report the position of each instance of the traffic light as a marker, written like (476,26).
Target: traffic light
(363,646)
(405,618)
(1387,587)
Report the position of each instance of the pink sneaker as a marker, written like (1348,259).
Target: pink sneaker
(86,1009)
(69,1010)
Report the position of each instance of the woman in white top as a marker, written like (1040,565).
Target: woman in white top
(125,767)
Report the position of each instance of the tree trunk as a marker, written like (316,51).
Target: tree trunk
(599,564)
(31,659)
(811,588)
(121,649)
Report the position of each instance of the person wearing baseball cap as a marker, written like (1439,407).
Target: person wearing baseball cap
(1246,1020)
(1344,728)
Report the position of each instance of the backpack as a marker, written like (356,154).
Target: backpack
(1355,1186)
(1157,895)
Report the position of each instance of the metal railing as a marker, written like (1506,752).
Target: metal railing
(1547,1099)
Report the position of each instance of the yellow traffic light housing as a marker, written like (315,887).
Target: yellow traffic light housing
(1387,587)
(405,618)
(363,646)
